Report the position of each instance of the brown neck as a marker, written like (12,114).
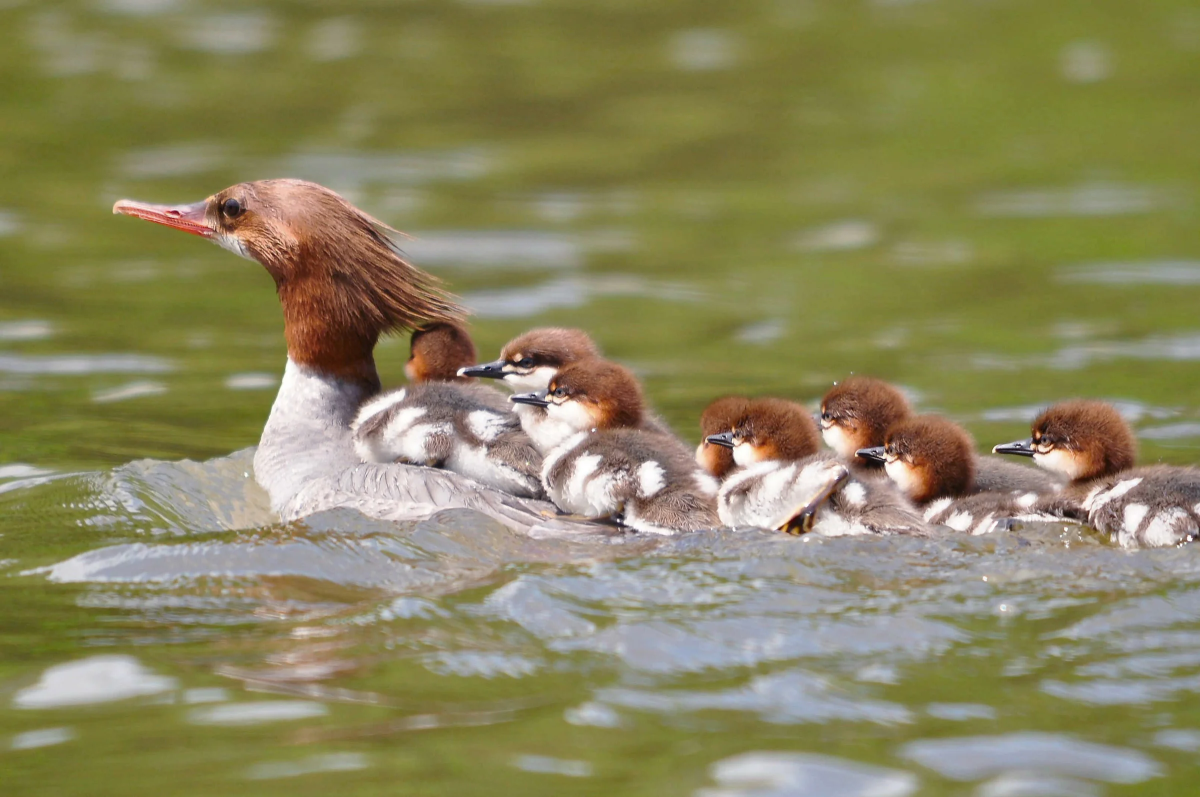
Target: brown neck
(333,346)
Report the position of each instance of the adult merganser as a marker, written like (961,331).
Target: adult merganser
(932,460)
(444,421)
(782,482)
(342,283)
(857,413)
(604,466)
(530,360)
(1090,443)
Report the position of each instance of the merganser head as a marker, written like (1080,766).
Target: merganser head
(340,278)
(721,416)
(591,394)
(530,360)
(857,412)
(928,457)
(438,352)
(1080,439)
(771,429)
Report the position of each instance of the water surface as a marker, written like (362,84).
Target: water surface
(992,204)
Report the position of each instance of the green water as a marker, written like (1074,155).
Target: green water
(992,203)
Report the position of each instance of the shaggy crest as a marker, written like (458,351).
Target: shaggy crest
(340,277)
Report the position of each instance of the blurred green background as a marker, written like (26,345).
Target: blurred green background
(991,202)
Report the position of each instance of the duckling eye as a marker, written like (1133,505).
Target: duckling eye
(231,208)
(525,362)
(827,416)
(560,391)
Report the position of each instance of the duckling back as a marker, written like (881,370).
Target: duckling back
(1149,507)
(465,428)
(769,495)
(639,477)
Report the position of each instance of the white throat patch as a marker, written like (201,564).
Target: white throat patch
(836,438)
(233,244)
(537,379)
(572,413)
(1059,460)
(905,476)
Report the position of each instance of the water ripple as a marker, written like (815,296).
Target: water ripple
(779,774)
(977,757)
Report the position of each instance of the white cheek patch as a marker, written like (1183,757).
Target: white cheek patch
(233,244)
(1027,500)
(573,414)
(836,438)
(651,478)
(485,425)
(905,477)
(1068,463)
(742,456)
(537,379)
(745,454)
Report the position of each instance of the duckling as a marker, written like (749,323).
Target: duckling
(721,415)
(857,413)
(603,465)
(1091,444)
(932,460)
(782,482)
(530,360)
(444,421)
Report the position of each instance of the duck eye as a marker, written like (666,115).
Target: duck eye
(525,362)
(560,391)
(827,416)
(231,208)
